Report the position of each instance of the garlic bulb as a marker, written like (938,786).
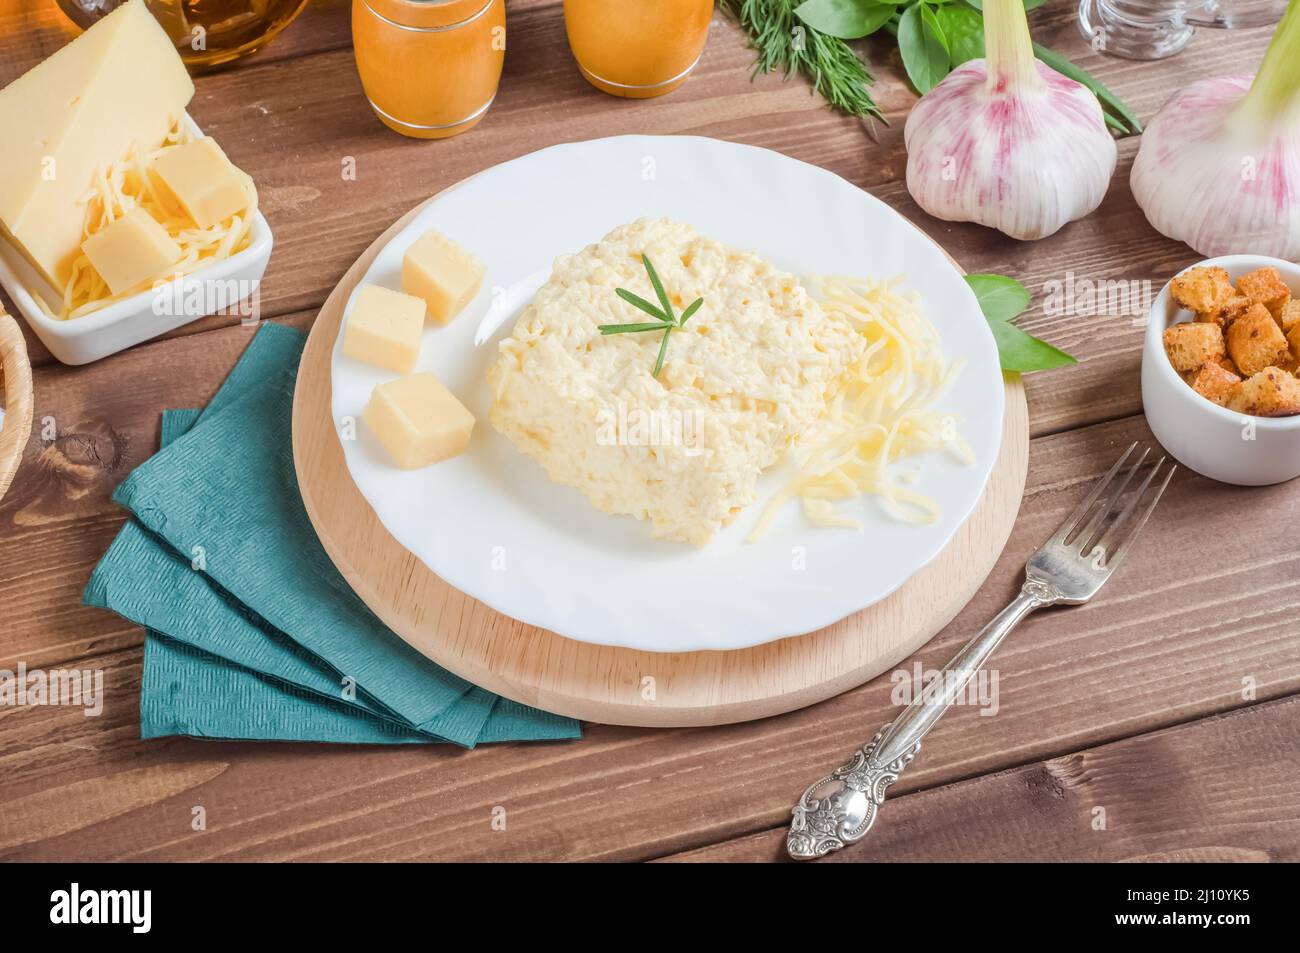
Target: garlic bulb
(1219,165)
(1007,141)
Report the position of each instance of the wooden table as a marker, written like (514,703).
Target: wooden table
(1173,701)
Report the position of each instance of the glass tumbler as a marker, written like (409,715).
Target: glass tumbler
(637,48)
(430,68)
(1154,29)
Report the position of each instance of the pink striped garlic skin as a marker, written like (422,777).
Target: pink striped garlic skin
(1022,158)
(1208,175)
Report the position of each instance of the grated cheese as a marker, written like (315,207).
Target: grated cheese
(126,185)
(885,411)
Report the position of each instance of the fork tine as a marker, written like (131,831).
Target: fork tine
(1108,504)
(1082,509)
(1112,532)
(1113,561)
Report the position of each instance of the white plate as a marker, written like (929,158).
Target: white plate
(142,316)
(492,524)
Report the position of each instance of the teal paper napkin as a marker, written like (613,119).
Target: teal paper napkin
(218,661)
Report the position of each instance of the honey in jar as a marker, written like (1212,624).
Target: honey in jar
(207,33)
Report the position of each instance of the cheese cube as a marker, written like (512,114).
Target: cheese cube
(119,83)
(203,180)
(132,250)
(445,275)
(384,328)
(418,420)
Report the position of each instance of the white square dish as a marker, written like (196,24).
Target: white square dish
(141,316)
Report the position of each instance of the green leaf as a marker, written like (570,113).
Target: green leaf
(690,310)
(631,328)
(846,19)
(1021,352)
(964,29)
(930,20)
(1079,75)
(636,301)
(663,352)
(1002,299)
(659,289)
(924,56)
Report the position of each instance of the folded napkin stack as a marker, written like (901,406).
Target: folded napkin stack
(250,631)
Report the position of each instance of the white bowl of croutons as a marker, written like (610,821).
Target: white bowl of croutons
(1219,364)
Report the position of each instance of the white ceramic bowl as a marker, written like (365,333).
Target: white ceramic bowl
(139,317)
(1212,440)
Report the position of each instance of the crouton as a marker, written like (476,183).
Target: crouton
(1265,286)
(1234,307)
(1290,315)
(1203,290)
(1189,345)
(1270,393)
(1256,342)
(1214,382)
(1293,338)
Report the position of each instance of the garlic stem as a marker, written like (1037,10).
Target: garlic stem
(1275,94)
(1008,50)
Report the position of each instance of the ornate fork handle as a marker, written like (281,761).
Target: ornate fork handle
(839,809)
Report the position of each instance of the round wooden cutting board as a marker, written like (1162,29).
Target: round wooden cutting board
(615,685)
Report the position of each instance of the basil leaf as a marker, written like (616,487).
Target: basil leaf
(964,29)
(924,56)
(930,20)
(1001,299)
(1021,352)
(846,19)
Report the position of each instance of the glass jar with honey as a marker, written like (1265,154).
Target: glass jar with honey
(207,33)
(637,49)
(429,68)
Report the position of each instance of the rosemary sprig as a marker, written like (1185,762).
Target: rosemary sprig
(666,319)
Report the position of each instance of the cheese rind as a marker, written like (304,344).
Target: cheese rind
(445,275)
(119,83)
(418,420)
(205,183)
(383,328)
(131,251)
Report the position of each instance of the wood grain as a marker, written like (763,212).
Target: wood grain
(1169,796)
(602,683)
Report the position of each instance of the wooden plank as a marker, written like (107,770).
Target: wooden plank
(1219,789)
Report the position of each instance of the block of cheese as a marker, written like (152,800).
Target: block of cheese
(418,420)
(445,275)
(132,250)
(383,328)
(205,183)
(119,83)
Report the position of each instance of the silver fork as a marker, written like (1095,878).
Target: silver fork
(1069,569)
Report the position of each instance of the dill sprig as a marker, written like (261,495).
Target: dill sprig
(784,43)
